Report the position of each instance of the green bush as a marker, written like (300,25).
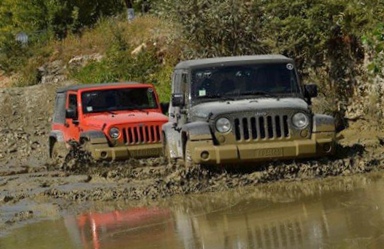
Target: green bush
(119,64)
(324,37)
(13,55)
(217,28)
(122,66)
(374,41)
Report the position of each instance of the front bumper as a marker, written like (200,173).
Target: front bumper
(104,152)
(205,152)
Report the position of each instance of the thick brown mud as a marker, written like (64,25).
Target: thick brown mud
(33,193)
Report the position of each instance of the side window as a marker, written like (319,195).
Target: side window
(151,98)
(184,81)
(184,86)
(72,102)
(177,87)
(59,115)
(72,99)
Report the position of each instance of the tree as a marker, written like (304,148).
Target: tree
(130,10)
(58,16)
(218,27)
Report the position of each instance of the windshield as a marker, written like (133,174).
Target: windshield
(118,99)
(244,81)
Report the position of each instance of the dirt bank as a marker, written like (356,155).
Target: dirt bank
(32,189)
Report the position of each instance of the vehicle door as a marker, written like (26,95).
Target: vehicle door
(178,112)
(179,116)
(72,117)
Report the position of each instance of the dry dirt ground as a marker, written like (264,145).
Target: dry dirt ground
(32,189)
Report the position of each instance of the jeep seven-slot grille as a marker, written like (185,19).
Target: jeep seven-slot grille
(265,127)
(142,134)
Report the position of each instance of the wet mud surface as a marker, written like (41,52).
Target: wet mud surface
(333,212)
(32,188)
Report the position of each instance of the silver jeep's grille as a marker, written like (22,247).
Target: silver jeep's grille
(264,127)
(142,134)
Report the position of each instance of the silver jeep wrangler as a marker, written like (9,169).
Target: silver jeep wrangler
(243,109)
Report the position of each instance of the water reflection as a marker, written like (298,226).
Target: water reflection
(333,213)
(114,229)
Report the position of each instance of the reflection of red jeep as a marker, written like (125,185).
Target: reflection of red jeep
(111,121)
(114,229)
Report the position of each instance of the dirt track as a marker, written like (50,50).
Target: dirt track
(32,189)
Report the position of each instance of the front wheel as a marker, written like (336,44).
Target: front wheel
(59,153)
(166,152)
(85,151)
(188,162)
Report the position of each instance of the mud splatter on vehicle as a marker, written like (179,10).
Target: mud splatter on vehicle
(111,121)
(244,109)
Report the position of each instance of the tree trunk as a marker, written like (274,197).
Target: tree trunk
(130,11)
(129,4)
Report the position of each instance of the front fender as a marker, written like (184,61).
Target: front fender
(95,137)
(323,123)
(171,136)
(55,136)
(197,131)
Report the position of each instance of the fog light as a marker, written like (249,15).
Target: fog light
(103,154)
(327,147)
(304,133)
(221,139)
(204,155)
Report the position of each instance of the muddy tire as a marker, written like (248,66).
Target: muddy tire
(59,153)
(187,157)
(86,155)
(166,152)
(85,146)
(79,157)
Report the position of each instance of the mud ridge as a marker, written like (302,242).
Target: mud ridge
(153,179)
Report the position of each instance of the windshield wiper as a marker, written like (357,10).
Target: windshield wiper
(260,93)
(222,97)
(228,97)
(210,96)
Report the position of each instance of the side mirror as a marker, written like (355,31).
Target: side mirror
(310,90)
(178,99)
(71,113)
(164,107)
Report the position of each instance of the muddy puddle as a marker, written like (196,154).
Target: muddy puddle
(337,212)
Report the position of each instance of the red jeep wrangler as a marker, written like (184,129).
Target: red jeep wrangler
(111,121)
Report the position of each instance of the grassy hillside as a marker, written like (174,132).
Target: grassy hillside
(143,50)
(337,44)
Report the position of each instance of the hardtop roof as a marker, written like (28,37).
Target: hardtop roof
(234,60)
(100,85)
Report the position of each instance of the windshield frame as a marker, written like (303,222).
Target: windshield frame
(118,99)
(244,77)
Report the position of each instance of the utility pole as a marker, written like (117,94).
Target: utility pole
(130,10)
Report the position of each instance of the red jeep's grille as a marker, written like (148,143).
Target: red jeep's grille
(266,127)
(142,134)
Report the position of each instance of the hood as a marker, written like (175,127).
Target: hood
(109,119)
(203,110)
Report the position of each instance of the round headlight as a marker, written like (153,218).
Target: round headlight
(114,132)
(300,120)
(223,125)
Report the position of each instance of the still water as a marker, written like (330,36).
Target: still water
(341,212)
